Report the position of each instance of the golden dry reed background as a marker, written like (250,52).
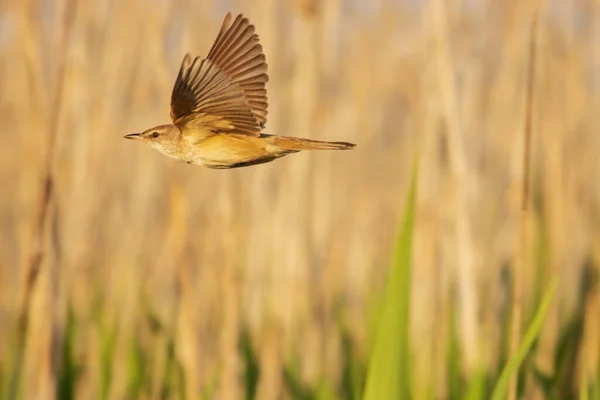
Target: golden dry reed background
(152,270)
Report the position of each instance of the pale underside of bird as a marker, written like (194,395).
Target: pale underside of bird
(219,107)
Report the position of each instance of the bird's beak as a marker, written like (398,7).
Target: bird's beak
(134,136)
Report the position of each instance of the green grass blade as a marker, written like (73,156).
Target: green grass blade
(596,388)
(388,374)
(251,365)
(136,368)
(453,361)
(513,364)
(107,348)
(583,387)
(68,368)
(476,388)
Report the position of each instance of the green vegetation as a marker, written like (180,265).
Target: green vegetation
(389,366)
(386,374)
(126,275)
(512,367)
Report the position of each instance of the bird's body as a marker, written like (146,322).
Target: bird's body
(219,107)
(221,150)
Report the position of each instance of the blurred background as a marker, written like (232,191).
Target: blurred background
(126,274)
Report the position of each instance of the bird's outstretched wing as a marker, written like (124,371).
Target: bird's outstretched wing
(225,92)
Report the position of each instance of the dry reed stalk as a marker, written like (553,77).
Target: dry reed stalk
(35,258)
(288,244)
(431,222)
(263,273)
(563,86)
(520,260)
(428,330)
(461,179)
(592,347)
(556,77)
(187,326)
(270,386)
(426,246)
(229,383)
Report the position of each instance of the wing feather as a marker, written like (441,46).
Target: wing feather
(226,91)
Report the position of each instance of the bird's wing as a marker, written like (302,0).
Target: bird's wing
(225,92)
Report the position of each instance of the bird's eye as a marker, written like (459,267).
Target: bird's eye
(155,135)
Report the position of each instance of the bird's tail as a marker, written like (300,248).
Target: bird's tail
(296,144)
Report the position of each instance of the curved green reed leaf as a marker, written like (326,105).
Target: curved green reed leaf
(389,366)
(512,367)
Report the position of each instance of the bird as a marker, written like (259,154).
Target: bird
(219,107)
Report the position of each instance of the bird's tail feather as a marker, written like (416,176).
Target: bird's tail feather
(297,144)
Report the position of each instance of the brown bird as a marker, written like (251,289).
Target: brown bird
(219,107)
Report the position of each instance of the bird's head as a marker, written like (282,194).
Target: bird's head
(161,137)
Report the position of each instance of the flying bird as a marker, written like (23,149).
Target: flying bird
(219,107)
